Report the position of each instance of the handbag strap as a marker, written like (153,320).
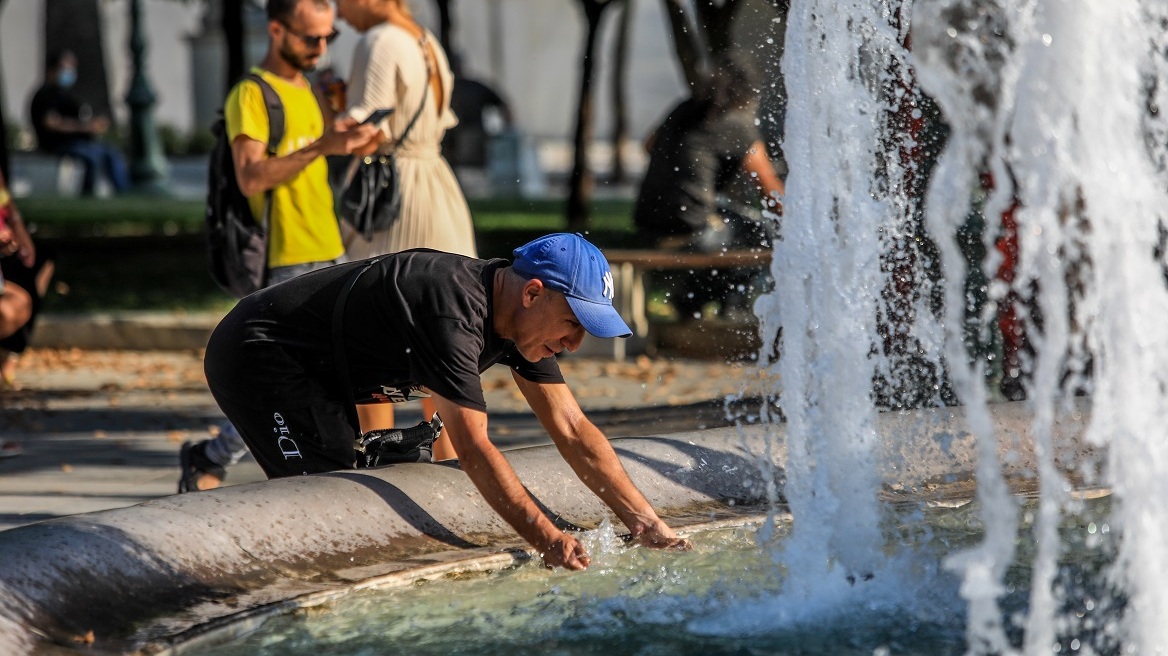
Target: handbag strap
(340,362)
(425,94)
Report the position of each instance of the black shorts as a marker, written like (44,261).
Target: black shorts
(293,420)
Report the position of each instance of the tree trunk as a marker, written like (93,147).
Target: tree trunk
(620,110)
(445,29)
(687,44)
(580,183)
(715,21)
(233,38)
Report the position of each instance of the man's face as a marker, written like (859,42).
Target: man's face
(303,38)
(547,325)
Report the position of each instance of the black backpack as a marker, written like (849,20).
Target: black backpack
(237,244)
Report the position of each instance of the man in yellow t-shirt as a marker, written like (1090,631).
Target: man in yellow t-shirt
(303,234)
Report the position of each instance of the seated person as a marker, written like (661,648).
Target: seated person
(695,156)
(26,271)
(16,304)
(66,126)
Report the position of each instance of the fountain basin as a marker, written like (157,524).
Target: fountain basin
(152,577)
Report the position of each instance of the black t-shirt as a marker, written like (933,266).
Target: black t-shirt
(692,157)
(52,98)
(415,318)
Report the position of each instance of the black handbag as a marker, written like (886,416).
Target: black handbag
(371,201)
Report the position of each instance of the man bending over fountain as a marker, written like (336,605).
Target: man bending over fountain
(289,362)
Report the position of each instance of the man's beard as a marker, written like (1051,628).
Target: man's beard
(299,62)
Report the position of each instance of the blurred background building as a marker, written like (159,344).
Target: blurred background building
(526,52)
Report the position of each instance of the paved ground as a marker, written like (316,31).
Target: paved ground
(102,429)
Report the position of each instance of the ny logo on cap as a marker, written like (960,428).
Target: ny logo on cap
(608,286)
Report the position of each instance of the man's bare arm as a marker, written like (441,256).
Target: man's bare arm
(496,481)
(57,123)
(590,455)
(763,173)
(256,172)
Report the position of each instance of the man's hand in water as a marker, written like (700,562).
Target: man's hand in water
(659,536)
(567,552)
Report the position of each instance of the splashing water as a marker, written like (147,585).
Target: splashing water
(1056,103)
(827,272)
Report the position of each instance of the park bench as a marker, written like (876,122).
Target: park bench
(630,267)
(37,173)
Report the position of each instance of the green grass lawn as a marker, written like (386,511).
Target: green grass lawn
(135,216)
(143,253)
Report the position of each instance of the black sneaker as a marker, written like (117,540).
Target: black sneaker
(396,445)
(188,456)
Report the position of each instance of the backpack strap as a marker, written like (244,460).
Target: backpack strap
(275,109)
(275,130)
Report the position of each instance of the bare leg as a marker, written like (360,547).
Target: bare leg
(8,359)
(43,277)
(375,415)
(443,449)
(15,309)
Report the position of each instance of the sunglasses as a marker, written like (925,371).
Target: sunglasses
(309,40)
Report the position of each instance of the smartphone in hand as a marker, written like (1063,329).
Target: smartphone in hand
(377,116)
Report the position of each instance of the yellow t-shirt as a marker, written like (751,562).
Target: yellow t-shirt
(303,225)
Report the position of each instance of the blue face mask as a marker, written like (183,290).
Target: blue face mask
(67,77)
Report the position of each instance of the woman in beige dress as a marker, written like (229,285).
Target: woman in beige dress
(393,63)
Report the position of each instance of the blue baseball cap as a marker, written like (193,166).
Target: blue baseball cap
(570,265)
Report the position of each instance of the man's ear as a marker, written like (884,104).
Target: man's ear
(532,290)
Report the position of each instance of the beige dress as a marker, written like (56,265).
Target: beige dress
(389,70)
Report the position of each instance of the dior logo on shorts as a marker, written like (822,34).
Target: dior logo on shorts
(285,443)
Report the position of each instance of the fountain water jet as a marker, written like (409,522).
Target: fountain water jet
(1051,98)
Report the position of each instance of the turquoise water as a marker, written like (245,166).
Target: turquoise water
(726,596)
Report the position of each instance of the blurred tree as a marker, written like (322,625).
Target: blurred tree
(707,34)
(580,182)
(714,21)
(620,110)
(687,42)
(232,21)
(446,27)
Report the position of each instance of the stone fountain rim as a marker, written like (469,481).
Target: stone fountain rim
(423,511)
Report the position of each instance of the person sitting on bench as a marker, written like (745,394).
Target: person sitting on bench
(67,127)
